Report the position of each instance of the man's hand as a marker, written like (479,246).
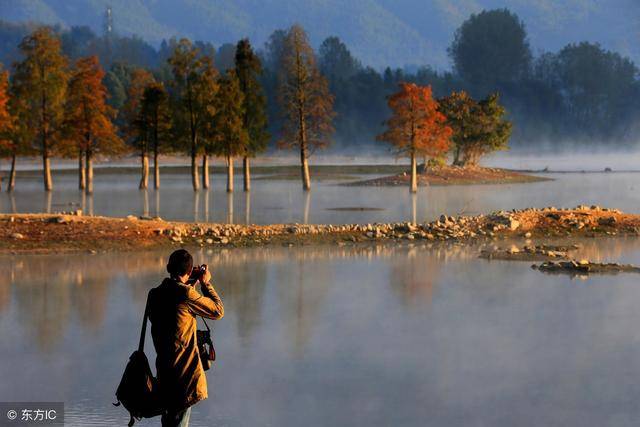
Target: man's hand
(206,277)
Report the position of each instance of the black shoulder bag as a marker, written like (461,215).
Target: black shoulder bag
(138,389)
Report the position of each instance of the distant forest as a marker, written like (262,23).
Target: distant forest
(582,94)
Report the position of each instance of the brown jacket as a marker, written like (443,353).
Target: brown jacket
(173,308)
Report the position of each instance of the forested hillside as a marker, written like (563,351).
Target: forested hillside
(379,32)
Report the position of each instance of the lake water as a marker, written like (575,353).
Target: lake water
(341,336)
(282,201)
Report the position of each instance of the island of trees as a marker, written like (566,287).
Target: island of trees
(73,94)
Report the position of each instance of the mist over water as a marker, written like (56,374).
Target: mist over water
(276,199)
(574,160)
(365,335)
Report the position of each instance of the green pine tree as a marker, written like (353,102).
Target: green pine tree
(248,69)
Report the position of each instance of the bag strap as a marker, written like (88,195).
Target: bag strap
(143,332)
(205,324)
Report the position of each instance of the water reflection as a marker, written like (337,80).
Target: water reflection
(355,335)
(206,205)
(145,202)
(229,207)
(247,207)
(307,205)
(12,199)
(414,208)
(196,205)
(277,201)
(47,201)
(157,199)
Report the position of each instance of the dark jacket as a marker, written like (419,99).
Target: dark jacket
(173,307)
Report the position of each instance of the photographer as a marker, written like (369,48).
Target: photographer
(173,307)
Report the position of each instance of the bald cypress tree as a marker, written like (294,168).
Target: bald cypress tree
(305,100)
(228,134)
(41,83)
(193,88)
(87,118)
(6,121)
(254,119)
(155,110)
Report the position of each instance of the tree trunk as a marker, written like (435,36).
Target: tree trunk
(46,166)
(89,158)
(156,169)
(194,171)
(82,178)
(304,162)
(456,156)
(229,174)
(144,180)
(12,174)
(306,179)
(205,171)
(414,178)
(247,173)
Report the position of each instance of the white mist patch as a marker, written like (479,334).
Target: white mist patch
(566,162)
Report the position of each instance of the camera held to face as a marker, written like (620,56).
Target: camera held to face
(197,273)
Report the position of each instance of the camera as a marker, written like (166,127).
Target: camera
(197,274)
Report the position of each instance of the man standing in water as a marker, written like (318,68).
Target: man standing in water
(173,307)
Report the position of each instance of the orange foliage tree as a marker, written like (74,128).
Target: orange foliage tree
(88,125)
(416,127)
(6,122)
(40,82)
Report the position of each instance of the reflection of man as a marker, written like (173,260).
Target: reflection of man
(173,307)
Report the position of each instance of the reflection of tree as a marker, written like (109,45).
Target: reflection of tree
(302,284)
(413,273)
(243,277)
(42,305)
(48,289)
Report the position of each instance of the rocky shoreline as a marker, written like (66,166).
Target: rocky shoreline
(46,233)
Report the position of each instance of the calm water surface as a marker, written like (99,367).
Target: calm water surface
(341,336)
(283,201)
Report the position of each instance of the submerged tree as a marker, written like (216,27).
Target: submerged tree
(87,117)
(305,100)
(416,127)
(40,82)
(135,122)
(248,70)
(6,124)
(228,134)
(155,111)
(193,89)
(478,127)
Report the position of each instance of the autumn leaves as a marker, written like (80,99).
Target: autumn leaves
(421,126)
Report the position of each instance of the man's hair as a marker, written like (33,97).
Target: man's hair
(180,263)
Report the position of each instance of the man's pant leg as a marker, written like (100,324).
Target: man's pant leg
(176,418)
